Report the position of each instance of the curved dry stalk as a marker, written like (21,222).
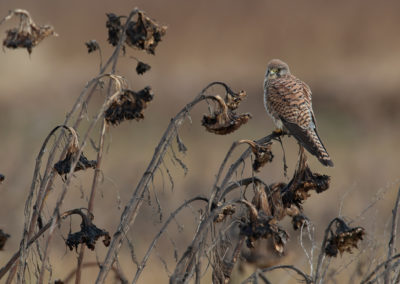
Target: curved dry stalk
(307,278)
(15,257)
(118,274)
(161,231)
(220,191)
(322,252)
(378,267)
(393,235)
(48,176)
(66,186)
(184,266)
(132,208)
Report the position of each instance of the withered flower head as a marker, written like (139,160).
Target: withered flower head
(88,234)
(142,67)
(262,153)
(260,225)
(3,239)
(92,45)
(223,120)
(27,34)
(302,183)
(144,33)
(344,239)
(63,167)
(114,27)
(128,105)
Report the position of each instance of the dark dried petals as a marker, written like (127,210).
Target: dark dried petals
(114,27)
(218,125)
(145,33)
(64,167)
(88,235)
(142,67)
(92,45)
(3,239)
(128,106)
(344,239)
(21,39)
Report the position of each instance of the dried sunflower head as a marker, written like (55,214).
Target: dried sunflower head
(344,239)
(27,34)
(223,119)
(128,105)
(88,234)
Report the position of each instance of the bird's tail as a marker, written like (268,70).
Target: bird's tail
(318,149)
(310,140)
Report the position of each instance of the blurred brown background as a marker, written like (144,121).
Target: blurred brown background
(347,51)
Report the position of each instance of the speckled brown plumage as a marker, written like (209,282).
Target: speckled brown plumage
(287,100)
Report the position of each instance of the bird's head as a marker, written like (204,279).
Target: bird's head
(276,68)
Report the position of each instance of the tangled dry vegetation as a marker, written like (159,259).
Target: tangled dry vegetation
(236,214)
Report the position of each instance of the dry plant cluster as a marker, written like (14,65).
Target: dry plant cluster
(237,214)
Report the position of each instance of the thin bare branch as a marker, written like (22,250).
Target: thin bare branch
(132,208)
(160,232)
(306,278)
(393,236)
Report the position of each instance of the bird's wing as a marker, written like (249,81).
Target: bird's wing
(291,101)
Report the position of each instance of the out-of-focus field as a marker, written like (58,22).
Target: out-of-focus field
(347,51)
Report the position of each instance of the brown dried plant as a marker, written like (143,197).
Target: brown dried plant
(27,34)
(223,119)
(241,210)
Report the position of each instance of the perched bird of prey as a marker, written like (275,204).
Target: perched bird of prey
(288,101)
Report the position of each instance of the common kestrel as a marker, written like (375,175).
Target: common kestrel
(287,100)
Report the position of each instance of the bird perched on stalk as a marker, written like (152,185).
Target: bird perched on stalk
(287,100)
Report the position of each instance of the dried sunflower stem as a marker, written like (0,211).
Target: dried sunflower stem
(367,279)
(184,266)
(117,272)
(91,198)
(65,188)
(15,257)
(48,177)
(119,82)
(160,232)
(134,204)
(392,240)
(321,255)
(291,267)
